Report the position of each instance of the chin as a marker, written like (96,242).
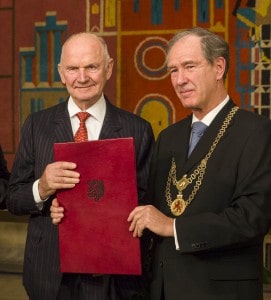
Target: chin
(189,105)
(85,96)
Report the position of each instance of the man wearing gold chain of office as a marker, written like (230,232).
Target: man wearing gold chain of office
(210,204)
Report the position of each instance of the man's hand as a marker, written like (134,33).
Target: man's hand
(57,175)
(57,212)
(151,218)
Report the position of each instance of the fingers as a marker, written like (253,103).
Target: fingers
(57,175)
(136,218)
(64,172)
(56,221)
(57,212)
(55,203)
(61,172)
(134,212)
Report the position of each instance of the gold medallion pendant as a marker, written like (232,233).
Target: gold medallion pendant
(178,206)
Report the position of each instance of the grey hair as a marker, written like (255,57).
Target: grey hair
(212,45)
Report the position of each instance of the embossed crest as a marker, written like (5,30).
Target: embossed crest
(95,189)
(178,206)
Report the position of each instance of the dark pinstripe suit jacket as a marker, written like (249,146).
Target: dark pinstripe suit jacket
(41,130)
(221,231)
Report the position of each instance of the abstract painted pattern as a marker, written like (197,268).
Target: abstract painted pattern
(137,32)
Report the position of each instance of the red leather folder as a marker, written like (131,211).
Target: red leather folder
(94,234)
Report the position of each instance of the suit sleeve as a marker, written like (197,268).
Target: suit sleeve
(21,199)
(143,158)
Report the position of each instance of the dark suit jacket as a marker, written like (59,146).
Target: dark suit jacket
(221,232)
(41,130)
(4,177)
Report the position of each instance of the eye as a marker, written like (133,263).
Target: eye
(189,67)
(172,70)
(71,69)
(92,68)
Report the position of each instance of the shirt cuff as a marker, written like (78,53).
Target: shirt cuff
(175,236)
(36,194)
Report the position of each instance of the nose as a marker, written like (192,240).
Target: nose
(180,77)
(82,75)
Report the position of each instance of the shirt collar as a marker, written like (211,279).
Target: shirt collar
(97,110)
(207,120)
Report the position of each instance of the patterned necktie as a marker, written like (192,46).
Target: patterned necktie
(198,129)
(81,134)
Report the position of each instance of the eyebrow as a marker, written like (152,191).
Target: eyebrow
(185,63)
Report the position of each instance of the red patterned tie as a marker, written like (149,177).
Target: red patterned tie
(81,134)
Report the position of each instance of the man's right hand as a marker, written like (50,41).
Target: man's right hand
(57,175)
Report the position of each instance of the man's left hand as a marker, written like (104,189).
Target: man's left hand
(151,218)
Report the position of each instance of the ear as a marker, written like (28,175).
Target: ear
(61,74)
(109,68)
(220,64)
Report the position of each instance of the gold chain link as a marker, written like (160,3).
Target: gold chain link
(198,173)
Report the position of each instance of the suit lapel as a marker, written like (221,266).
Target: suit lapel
(182,135)
(63,129)
(111,126)
(207,140)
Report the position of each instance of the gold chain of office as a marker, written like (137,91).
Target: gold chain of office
(179,205)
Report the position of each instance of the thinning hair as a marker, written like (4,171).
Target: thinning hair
(92,35)
(212,45)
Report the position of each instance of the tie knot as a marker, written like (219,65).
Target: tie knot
(82,116)
(198,128)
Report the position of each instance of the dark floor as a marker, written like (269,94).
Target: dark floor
(11,288)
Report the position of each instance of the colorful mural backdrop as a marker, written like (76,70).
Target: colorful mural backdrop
(137,31)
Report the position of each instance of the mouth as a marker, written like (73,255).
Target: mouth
(185,93)
(84,87)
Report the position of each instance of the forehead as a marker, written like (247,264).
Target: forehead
(187,48)
(83,49)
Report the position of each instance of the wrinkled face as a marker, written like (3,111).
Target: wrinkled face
(84,69)
(193,77)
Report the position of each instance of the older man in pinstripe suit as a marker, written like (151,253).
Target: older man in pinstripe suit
(85,66)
